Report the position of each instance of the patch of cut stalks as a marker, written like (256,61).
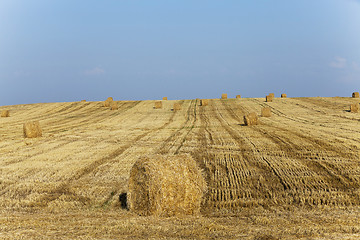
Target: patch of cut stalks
(164,98)
(269,98)
(238,96)
(32,129)
(5,113)
(158,105)
(108,101)
(354,108)
(266,112)
(355,95)
(204,102)
(224,96)
(114,106)
(177,107)
(251,119)
(283,95)
(165,186)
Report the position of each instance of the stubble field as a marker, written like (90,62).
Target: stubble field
(296,175)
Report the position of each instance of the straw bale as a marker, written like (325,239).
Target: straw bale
(32,129)
(269,98)
(164,98)
(283,95)
(158,104)
(251,119)
(83,100)
(266,112)
(177,107)
(354,108)
(114,106)
(108,101)
(204,102)
(355,95)
(5,113)
(165,186)
(238,96)
(272,95)
(224,96)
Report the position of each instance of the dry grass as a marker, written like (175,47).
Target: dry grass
(158,105)
(266,112)
(355,95)
(224,96)
(32,129)
(5,113)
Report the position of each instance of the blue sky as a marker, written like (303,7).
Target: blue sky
(66,50)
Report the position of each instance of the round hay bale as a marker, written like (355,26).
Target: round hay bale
(355,95)
(158,105)
(204,102)
(164,98)
(165,186)
(177,107)
(283,95)
(224,96)
(32,129)
(354,108)
(269,98)
(5,113)
(238,96)
(251,119)
(266,112)
(108,101)
(114,106)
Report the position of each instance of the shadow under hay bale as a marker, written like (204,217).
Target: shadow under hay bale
(266,112)
(108,101)
(355,95)
(354,108)
(5,113)
(224,96)
(165,186)
(123,201)
(32,129)
(251,119)
(158,105)
(204,102)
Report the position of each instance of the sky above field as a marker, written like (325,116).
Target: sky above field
(66,50)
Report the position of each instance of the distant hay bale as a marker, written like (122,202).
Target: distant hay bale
(158,105)
(266,112)
(354,108)
(5,113)
(177,107)
(108,101)
(272,95)
(251,119)
(32,129)
(165,186)
(283,95)
(204,102)
(224,96)
(83,100)
(269,98)
(355,95)
(164,98)
(113,105)
(238,96)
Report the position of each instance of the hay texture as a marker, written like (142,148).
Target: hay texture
(158,105)
(204,102)
(238,96)
(83,100)
(165,186)
(251,119)
(266,112)
(32,129)
(177,107)
(108,101)
(272,95)
(5,113)
(269,98)
(224,96)
(164,98)
(114,106)
(355,95)
(354,108)
(283,95)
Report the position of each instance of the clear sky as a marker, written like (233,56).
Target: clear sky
(69,50)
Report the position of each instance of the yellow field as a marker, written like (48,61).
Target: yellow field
(296,175)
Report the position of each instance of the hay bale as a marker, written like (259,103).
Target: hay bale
(269,98)
(164,98)
(283,95)
(251,119)
(5,113)
(113,105)
(354,108)
(158,105)
(108,101)
(224,96)
(272,95)
(165,186)
(238,96)
(204,102)
(83,101)
(177,107)
(355,95)
(266,112)
(32,129)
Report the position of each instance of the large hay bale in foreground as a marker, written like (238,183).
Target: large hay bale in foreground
(158,105)
(283,95)
(355,95)
(177,107)
(164,98)
(32,129)
(204,102)
(354,108)
(251,119)
(238,96)
(269,98)
(108,101)
(266,112)
(224,96)
(165,186)
(114,106)
(5,113)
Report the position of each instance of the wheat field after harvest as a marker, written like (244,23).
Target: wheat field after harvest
(296,174)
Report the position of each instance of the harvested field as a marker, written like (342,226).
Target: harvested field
(296,175)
